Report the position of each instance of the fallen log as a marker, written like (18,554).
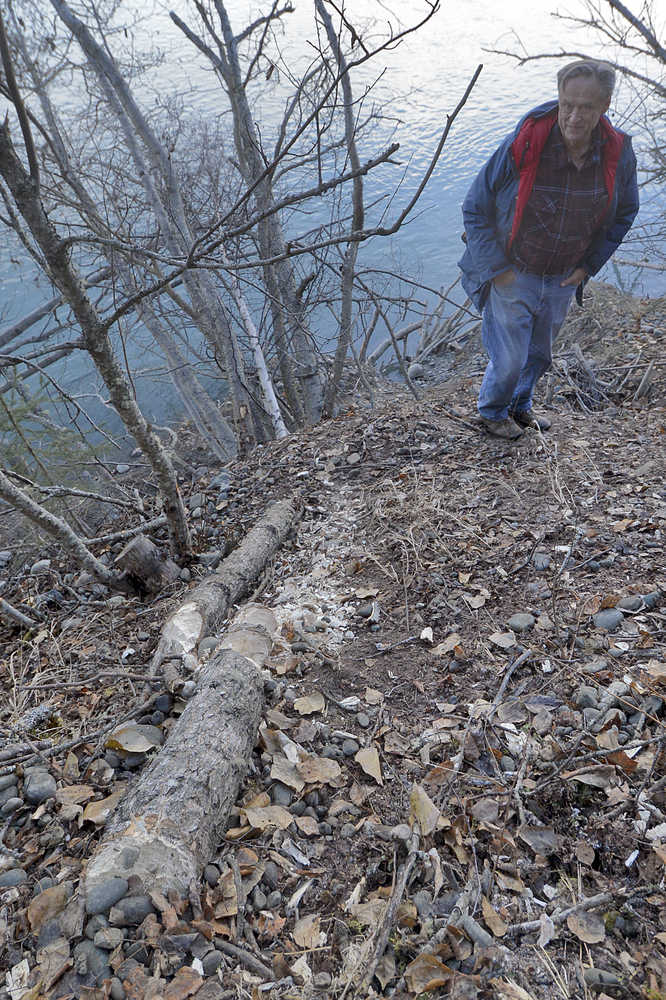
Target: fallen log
(171,822)
(208,604)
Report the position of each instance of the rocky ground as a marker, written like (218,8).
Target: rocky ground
(473,666)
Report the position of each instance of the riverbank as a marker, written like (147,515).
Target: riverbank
(471,630)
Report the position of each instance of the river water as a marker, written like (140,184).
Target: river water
(415,84)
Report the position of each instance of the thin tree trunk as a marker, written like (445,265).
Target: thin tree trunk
(97,342)
(61,531)
(349,262)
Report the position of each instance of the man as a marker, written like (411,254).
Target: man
(548,209)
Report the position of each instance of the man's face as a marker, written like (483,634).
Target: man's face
(581,105)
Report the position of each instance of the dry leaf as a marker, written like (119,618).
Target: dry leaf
(506,990)
(585,853)
(587,926)
(373,697)
(423,810)
(47,905)
(315,769)
(269,927)
(448,645)
(310,704)
(426,973)
(657,669)
(184,984)
(368,914)
(486,811)
(505,881)
(512,711)
(284,771)
(263,817)
(493,919)
(542,839)
(135,739)
(308,826)
(505,640)
(306,932)
(368,758)
(363,593)
(592,605)
(597,775)
(547,931)
(386,970)
(52,961)
(98,812)
(395,743)
(474,601)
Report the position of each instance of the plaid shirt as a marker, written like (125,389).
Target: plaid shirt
(564,210)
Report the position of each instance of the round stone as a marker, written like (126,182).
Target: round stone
(39,787)
(331,751)
(541,561)
(609,619)
(633,603)
(116,990)
(212,875)
(281,795)
(102,897)
(258,899)
(211,962)
(11,805)
(131,911)
(521,622)
(15,876)
(8,781)
(273,900)
(94,925)
(90,960)
(40,567)
(586,697)
(108,938)
(363,720)
(188,689)
(271,876)
(347,830)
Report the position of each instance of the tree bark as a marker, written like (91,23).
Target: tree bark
(208,604)
(141,560)
(172,820)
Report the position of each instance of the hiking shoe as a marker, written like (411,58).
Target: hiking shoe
(506,428)
(528,418)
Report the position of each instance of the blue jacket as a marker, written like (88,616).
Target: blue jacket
(493,208)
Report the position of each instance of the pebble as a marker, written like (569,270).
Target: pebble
(15,876)
(185,575)
(41,884)
(94,925)
(363,720)
(207,644)
(541,561)
(364,610)
(11,805)
(416,370)
(258,899)
(7,780)
(323,979)
(211,962)
(90,959)
(273,900)
(507,763)
(8,793)
(347,830)
(39,787)
(586,697)
(281,795)
(609,619)
(40,567)
(212,875)
(325,829)
(179,944)
(5,557)
(188,689)
(598,979)
(350,747)
(633,603)
(121,469)
(521,622)
(108,938)
(164,703)
(105,895)
(130,911)
(401,832)
(331,751)
(595,666)
(116,990)
(543,722)
(652,599)
(271,876)
(196,500)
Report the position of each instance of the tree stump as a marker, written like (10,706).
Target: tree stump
(142,562)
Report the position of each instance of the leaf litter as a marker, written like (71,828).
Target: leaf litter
(527,814)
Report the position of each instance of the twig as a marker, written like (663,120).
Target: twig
(507,677)
(245,958)
(383,931)
(117,675)
(240,896)
(9,611)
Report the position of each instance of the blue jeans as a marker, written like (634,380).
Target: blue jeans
(520,323)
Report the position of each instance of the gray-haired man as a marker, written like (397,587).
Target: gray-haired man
(548,209)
